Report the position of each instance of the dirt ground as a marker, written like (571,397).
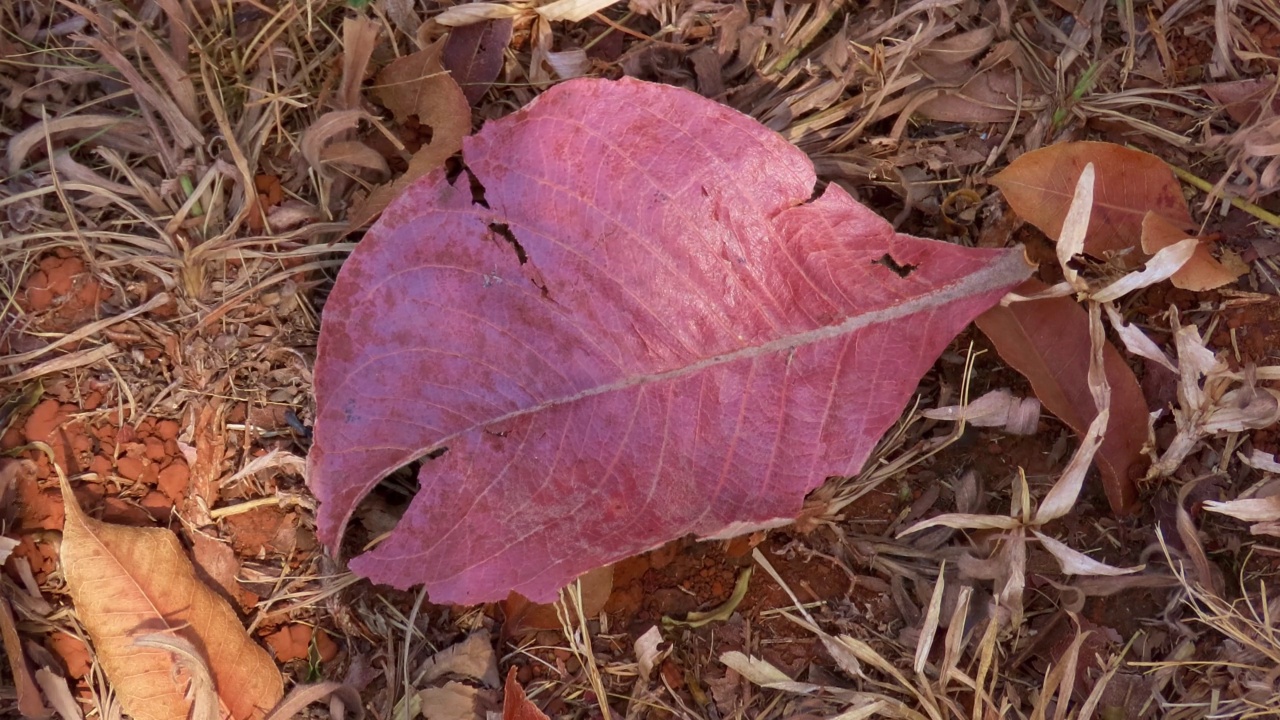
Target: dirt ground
(161,303)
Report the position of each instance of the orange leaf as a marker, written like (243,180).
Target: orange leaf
(1202,271)
(1048,342)
(1129,184)
(128,582)
(418,85)
(515,706)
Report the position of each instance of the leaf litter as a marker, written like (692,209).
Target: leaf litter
(202,255)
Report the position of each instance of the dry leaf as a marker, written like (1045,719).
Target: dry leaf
(1047,341)
(129,582)
(1211,400)
(1201,272)
(472,658)
(473,55)
(573,10)
(1248,509)
(453,701)
(759,671)
(476,12)
(647,653)
(1040,185)
(515,706)
(59,693)
(998,408)
(1074,562)
(418,85)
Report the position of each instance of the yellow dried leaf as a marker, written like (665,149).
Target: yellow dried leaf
(129,582)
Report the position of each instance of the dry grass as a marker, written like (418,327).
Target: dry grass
(172,146)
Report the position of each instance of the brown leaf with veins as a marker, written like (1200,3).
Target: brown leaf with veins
(1047,340)
(129,582)
(418,85)
(1040,184)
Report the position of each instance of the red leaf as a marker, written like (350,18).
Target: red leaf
(1048,342)
(515,706)
(1129,184)
(473,55)
(644,331)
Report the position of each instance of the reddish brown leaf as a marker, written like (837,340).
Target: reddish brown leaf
(1129,184)
(1048,342)
(645,329)
(131,582)
(515,705)
(1201,272)
(473,54)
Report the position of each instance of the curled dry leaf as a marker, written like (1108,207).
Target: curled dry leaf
(129,582)
(418,86)
(998,408)
(1047,340)
(472,658)
(639,333)
(647,653)
(522,614)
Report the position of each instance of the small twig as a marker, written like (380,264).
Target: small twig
(1237,202)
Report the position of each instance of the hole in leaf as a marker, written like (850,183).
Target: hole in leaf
(477,189)
(900,270)
(502,230)
(381,510)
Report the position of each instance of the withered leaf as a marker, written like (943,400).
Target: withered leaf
(418,86)
(129,582)
(1047,340)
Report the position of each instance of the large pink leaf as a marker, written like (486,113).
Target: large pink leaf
(676,342)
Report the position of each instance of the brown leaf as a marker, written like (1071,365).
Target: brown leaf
(127,583)
(1048,342)
(1201,272)
(515,706)
(473,55)
(984,98)
(1129,184)
(418,85)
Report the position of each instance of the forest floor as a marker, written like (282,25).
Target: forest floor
(182,186)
